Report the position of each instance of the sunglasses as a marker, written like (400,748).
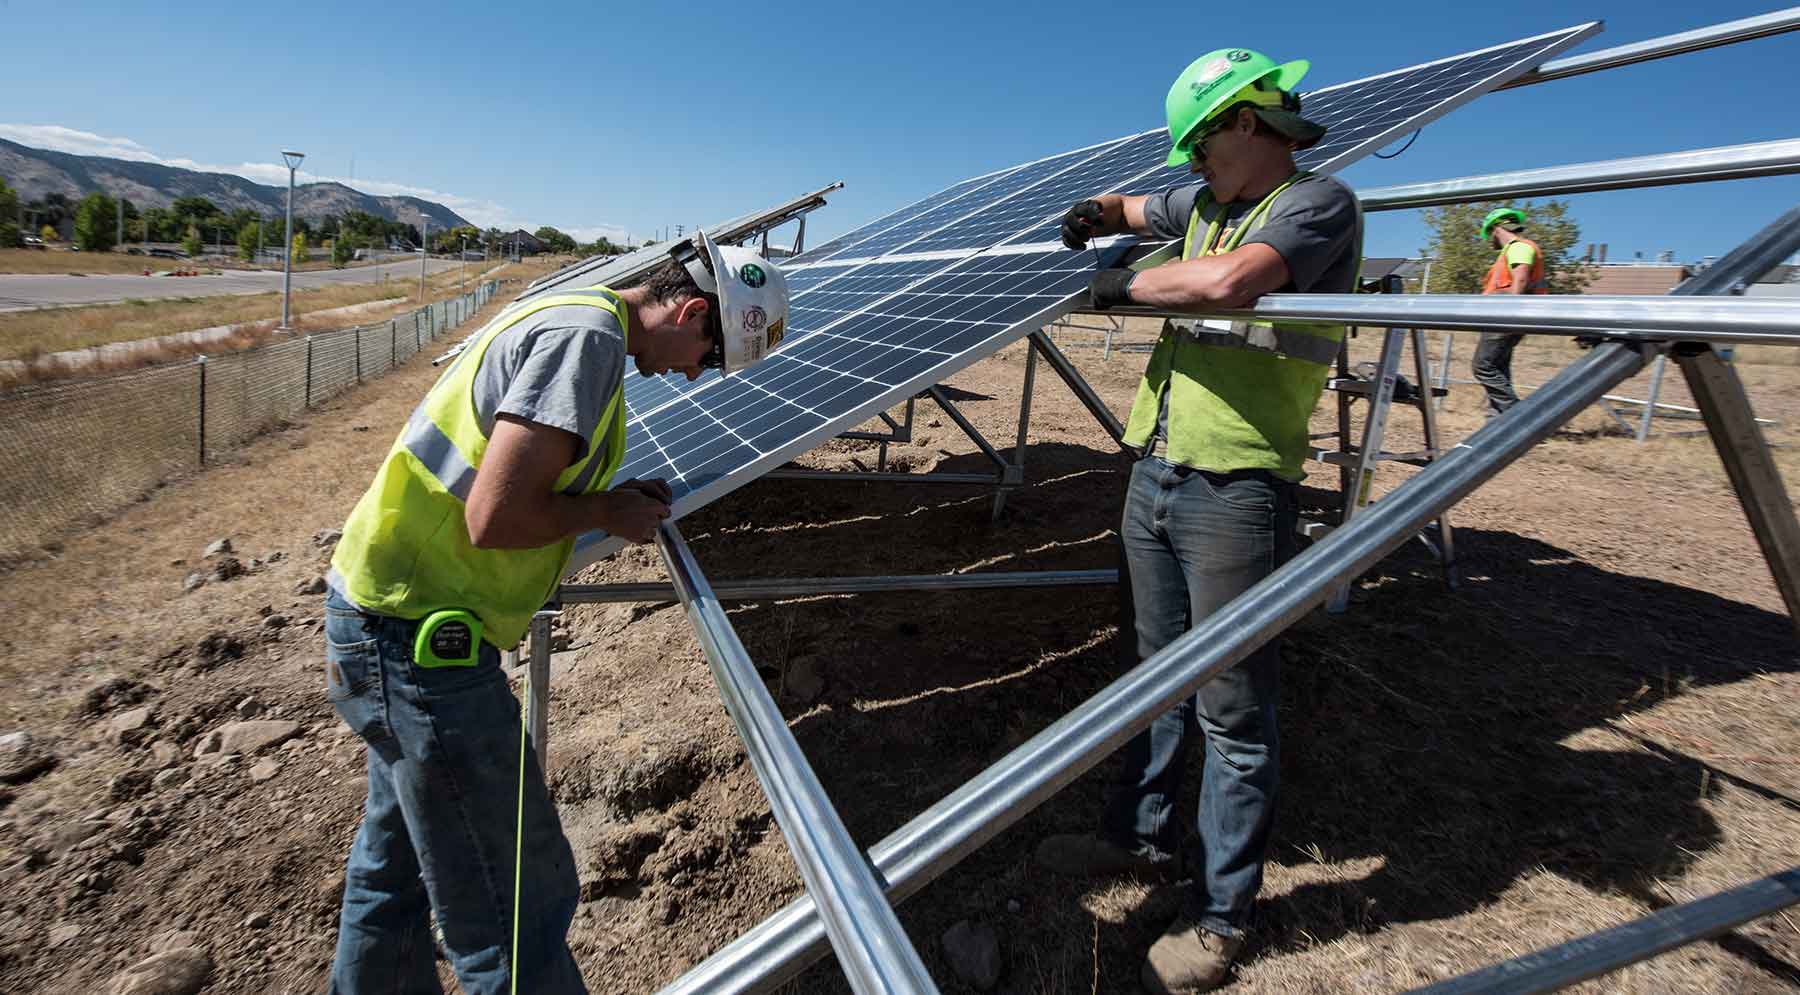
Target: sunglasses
(1197,148)
(714,359)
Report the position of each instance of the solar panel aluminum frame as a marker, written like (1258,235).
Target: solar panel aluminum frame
(593,547)
(731,232)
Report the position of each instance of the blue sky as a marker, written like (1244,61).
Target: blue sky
(628,119)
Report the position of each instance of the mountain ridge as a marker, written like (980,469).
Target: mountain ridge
(34,172)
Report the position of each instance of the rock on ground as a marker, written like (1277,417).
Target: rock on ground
(973,952)
(249,737)
(22,758)
(176,971)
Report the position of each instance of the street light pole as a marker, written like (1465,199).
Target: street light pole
(424,251)
(462,262)
(292,159)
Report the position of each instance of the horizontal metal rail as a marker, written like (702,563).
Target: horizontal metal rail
(1608,950)
(1729,162)
(1002,794)
(1699,39)
(872,948)
(799,587)
(865,476)
(1769,321)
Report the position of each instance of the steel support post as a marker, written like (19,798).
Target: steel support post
(937,394)
(1015,473)
(1656,379)
(924,848)
(1641,939)
(801,587)
(1443,373)
(871,947)
(1083,391)
(1749,464)
(1359,480)
(1434,447)
(538,680)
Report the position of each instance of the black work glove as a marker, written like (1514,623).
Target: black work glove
(1111,287)
(1079,224)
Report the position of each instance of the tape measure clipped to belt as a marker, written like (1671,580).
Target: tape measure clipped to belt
(448,638)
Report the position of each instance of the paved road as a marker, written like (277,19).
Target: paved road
(20,292)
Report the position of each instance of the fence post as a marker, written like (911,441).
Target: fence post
(417,345)
(307,401)
(393,345)
(200,361)
(357,331)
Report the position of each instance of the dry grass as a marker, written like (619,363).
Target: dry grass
(31,335)
(57,260)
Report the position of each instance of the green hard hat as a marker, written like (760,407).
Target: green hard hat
(1498,215)
(1210,83)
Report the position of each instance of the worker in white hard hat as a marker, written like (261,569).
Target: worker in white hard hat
(465,532)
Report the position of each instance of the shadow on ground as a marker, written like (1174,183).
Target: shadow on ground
(1424,731)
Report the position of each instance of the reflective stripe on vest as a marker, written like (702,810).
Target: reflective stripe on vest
(1499,275)
(1295,341)
(1238,394)
(406,550)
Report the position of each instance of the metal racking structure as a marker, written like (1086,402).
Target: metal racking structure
(850,894)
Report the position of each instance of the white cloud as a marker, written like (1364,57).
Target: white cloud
(484,213)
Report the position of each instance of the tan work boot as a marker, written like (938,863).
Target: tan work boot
(1085,855)
(1188,959)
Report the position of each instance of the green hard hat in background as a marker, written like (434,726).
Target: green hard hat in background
(1210,83)
(1498,215)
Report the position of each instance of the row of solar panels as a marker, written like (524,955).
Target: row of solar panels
(909,299)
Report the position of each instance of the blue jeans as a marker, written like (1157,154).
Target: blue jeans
(1192,541)
(439,827)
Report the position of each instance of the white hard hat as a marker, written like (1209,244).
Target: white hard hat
(753,299)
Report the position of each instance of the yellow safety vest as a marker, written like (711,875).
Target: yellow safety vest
(1240,396)
(406,550)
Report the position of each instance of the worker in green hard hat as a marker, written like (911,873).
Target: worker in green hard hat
(1518,269)
(1220,429)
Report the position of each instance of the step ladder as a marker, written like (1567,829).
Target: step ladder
(1356,460)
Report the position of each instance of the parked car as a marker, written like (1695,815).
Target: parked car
(169,253)
(34,242)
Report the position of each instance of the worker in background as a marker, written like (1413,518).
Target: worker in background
(1220,421)
(1518,269)
(465,532)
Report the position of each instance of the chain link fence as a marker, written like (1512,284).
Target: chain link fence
(72,453)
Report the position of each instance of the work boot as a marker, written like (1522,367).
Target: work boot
(1082,855)
(1188,959)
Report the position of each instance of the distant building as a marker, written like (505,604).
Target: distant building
(1647,279)
(1378,267)
(527,243)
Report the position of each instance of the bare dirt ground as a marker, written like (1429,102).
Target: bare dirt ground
(1600,722)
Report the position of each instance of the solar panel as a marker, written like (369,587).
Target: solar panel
(906,213)
(934,287)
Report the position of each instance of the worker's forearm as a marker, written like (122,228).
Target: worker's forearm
(1190,283)
(1120,215)
(550,518)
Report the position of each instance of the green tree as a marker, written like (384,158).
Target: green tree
(297,251)
(554,240)
(1460,257)
(9,216)
(343,249)
(96,223)
(246,242)
(191,242)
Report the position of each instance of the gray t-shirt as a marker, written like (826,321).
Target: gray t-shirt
(558,367)
(1315,225)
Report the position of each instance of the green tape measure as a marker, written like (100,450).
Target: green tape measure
(448,638)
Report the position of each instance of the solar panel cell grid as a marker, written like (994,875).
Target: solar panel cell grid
(866,335)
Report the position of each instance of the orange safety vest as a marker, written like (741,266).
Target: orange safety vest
(1499,275)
